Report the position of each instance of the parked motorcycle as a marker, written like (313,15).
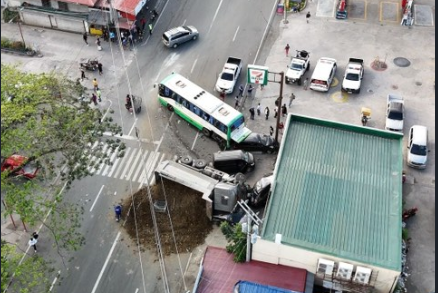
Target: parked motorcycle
(409,213)
(366,115)
(133,103)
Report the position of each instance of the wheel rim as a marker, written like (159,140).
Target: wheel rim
(170,108)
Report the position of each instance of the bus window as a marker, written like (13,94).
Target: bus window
(185,104)
(197,111)
(174,96)
(164,91)
(178,99)
(211,120)
(237,123)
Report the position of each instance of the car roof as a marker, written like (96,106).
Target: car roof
(396,107)
(420,134)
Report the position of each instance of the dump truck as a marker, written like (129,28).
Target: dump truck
(353,76)
(220,191)
(228,77)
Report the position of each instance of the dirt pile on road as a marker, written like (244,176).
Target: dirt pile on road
(187,216)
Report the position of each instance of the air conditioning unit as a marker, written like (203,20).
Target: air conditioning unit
(345,270)
(362,275)
(325,266)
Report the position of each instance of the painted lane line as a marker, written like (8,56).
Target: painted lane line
(54,281)
(97,197)
(184,23)
(140,166)
(214,17)
(194,142)
(193,67)
(265,32)
(106,263)
(133,126)
(235,34)
(127,137)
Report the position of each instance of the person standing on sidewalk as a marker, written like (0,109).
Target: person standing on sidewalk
(150,29)
(99,68)
(287,50)
(275,112)
(306,83)
(291,98)
(284,110)
(252,112)
(259,109)
(95,84)
(267,113)
(241,90)
(85,37)
(83,74)
(99,94)
(250,88)
(32,242)
(271,130)
(94,99)
(98,43)
(307,16)
(236,103)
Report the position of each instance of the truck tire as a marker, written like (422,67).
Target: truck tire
(200,164)
(187,160)
(169,107)
(358,91)
(286,80)
(299,81)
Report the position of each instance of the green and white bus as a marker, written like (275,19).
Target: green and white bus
(209,114)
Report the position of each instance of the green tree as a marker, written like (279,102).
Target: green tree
(43,118)
(236,240)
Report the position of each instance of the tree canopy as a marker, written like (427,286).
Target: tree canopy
(44,118)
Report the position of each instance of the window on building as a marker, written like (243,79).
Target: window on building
(46,3)
(63,6)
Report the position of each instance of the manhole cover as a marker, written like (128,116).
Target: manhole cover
(402,62)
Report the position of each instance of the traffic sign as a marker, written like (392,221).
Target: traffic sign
(257,74)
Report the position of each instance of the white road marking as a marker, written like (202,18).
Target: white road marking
(54,281)
(193,67)
(97,197)
(235,34)
(184,23)
(264,33)
(194,142)
(128,150)
(214,17)
(106,263)
(127,137)
(140,166)
(128,164)
(132,128)
(134,164)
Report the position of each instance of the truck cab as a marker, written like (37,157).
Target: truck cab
(298,66)
(353,76)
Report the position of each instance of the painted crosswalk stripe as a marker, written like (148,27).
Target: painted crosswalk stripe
(128,164)
(98,168)
(122,162)
(114,166)
(134,164)
(146,168)
(152,180)
(107,168)
(140,166)
(90,157)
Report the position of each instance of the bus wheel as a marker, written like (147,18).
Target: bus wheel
(187,160)
(206,132)
(169,107)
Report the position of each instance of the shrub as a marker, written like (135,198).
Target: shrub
(17,45)
(5,43)
(9,15)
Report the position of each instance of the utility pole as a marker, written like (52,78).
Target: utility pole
(280,100)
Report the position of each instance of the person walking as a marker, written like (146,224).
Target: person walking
(118,212)
(291,98)
(94,99)
(306,83)
(307,16)
(250,88)
(150,29)
(252,112)
(95,84)
(98,43)
(99,68)
(99,94)
(85,37)
(287,50)
(241,90)
(33,241)
(236,103)
(112,36)
(284,110)
(275,112)
(259,109)
(266,113)
(271,130)
(83,74)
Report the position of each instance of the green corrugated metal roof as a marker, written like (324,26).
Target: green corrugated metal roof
(338,191)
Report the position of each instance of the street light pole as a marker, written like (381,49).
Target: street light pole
(280,99)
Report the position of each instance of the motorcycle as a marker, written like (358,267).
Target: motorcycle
(133,103)
(409,213)
(366,115)
(89,64)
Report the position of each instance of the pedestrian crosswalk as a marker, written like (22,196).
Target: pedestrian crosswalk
(137,164)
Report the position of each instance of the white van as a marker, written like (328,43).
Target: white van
(417,145)
(323,74)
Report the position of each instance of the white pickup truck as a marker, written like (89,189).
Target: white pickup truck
(394,113)
(298,66)
(228,77)
(353,76)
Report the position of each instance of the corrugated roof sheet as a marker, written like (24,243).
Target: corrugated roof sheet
(338,191)
(249,287)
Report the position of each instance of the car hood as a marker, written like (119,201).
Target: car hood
(417,159)
(291,73)
(262,183)
(350,84)
(224,84)
(394,124)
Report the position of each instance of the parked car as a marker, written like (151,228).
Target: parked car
(256,142)
(18,166)
(233,162)
(260,192)
(178,35)
(417,145)
(394,113)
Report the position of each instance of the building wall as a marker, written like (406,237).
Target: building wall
(54,21)
(270,252)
